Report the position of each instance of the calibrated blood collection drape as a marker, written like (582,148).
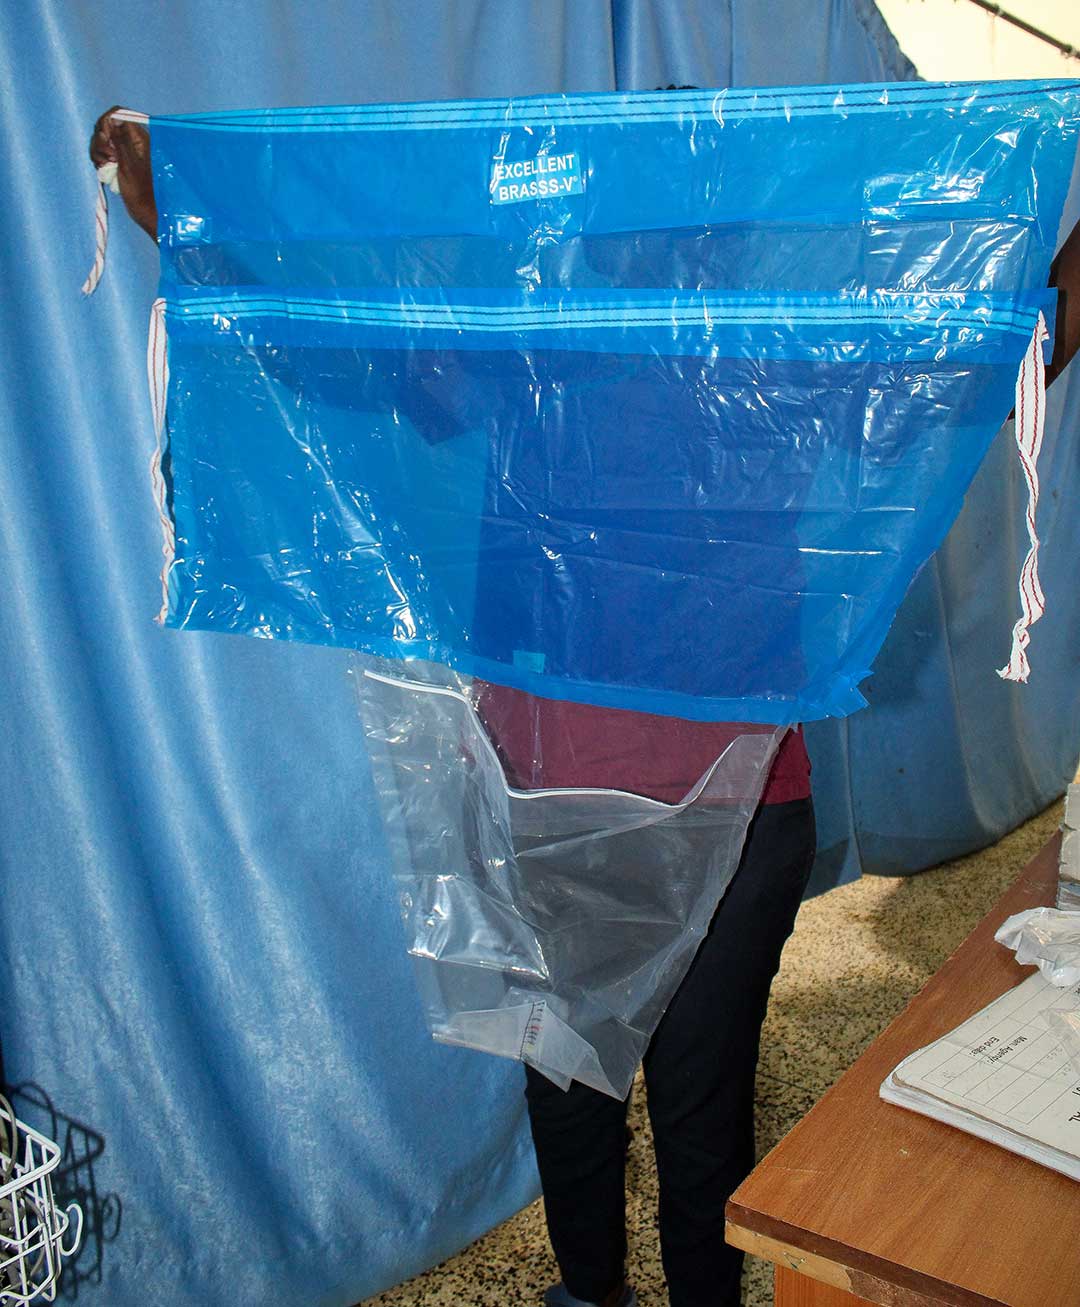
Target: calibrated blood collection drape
(653,401)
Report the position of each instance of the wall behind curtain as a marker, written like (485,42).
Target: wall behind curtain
(205,998)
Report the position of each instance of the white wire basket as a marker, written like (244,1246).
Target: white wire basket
(33,1233)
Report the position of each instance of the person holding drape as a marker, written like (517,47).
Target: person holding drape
(700,1065)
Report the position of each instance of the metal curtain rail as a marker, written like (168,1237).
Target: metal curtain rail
(991,8)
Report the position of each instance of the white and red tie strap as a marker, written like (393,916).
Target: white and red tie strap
(1030,418)
(157,374)
(107,177)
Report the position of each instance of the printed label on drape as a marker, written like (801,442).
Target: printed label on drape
(545,177)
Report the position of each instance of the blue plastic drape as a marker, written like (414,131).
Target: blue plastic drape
(203,974)
(570,394)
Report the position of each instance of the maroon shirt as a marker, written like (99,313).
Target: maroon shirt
(550,743)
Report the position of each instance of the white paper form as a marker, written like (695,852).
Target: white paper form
(1003,1075)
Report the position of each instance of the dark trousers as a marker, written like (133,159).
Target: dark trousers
(699,1073)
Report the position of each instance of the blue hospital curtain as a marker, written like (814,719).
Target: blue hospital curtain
(206,998)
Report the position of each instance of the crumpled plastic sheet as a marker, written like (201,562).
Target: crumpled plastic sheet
(1047,938)
(550,925)
(652,402)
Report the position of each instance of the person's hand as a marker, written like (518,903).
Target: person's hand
(128,146)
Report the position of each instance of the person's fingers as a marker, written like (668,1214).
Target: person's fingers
(102,149)
(102,146)
(134,173)
(132,148)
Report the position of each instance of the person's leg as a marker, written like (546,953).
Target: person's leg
(701,1062)
(580,1139)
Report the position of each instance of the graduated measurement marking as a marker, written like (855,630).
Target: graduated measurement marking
(533,1027)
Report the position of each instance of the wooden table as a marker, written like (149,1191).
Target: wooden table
(864,1202)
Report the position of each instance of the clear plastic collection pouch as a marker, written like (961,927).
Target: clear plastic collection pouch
(551,925)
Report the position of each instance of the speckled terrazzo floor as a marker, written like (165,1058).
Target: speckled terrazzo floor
(859,953)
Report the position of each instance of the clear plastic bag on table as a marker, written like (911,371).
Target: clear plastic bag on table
(1068,893)
(549,925)
(1048,938)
